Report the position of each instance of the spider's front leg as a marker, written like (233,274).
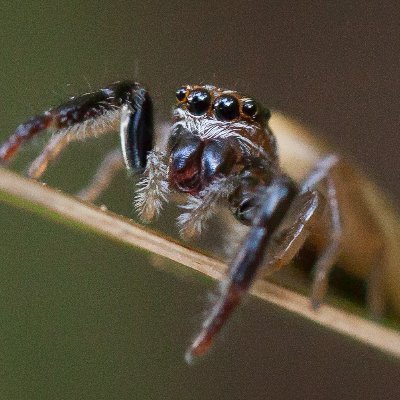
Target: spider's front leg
(126,104)
(281,216)
(136,136)
(265,212)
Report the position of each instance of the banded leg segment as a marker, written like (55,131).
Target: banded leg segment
(90,115)
(24,133)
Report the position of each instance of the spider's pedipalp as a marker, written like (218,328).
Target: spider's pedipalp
(153,187)
(201,207)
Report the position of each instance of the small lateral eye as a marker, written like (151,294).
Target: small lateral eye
(181,93)
(249,108)
(226,108)
(199,101)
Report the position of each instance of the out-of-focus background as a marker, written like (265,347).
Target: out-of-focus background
(84,318)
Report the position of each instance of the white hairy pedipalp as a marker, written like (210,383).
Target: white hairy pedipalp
(153,188)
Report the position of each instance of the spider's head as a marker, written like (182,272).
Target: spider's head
(213,131)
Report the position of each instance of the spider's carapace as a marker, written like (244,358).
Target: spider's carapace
(221,151)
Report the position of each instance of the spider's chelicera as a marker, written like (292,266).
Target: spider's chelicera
(219,148)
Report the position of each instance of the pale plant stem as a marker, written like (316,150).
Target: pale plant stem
(39,198)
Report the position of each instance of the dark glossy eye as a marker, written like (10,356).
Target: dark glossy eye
(226,108)
(249,108)
(181,93)
(199,101)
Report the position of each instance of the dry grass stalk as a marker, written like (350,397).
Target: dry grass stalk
(44,200)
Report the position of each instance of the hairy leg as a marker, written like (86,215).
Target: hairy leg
(90,115)
(51,151)
(60,140)
(26,132)
(293,232)
(330,254)
(110,166)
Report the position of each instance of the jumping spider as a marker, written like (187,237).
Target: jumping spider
(219,148)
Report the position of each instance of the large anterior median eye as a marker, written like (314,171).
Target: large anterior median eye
(198,101)
(226,108)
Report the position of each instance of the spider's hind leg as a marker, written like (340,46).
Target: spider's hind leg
(321,177)
(274,205)
(330,253)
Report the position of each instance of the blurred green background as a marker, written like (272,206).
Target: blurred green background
(82,317)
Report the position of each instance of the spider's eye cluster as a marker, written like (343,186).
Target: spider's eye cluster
(226,108)
(199,101)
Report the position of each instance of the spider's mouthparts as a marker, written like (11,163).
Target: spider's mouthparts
(188,183)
